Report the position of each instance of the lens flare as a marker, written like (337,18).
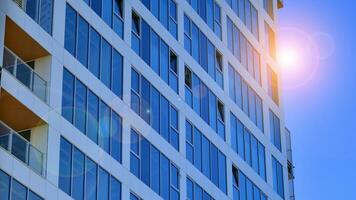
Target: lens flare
(288,58)
(298,57)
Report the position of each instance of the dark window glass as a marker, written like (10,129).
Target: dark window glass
(145,100)
(164,13)
(155,111)
(104,127)
(145,42)
(155,8)
(107,11)
(197,148)
(204,91)
(4,185)
(206,156)
(68,96)
(164,58)
(33,196)
(154,169)
(155,52)
(80,105)
(278,184)
(134,197)
(117,73)
(103,185)
(214,165)
(261,160)
(116,135)
(90,179)
(65,163)
(115,189)
(164,177)
(70,31)
(18,191)
(247,146)
(145,161)
(195,42)
(83,38)
(93,117)
(94,51)
(96,6)
(78,175)
(222,172)
(164,118)
(105,65)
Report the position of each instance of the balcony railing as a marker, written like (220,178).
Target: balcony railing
(21,149)
(41,11)
(25,74)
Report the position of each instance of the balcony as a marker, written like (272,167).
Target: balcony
(21,148)
(41,11)
(26,60)
(25,74)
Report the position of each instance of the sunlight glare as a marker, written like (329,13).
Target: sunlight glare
(288,58)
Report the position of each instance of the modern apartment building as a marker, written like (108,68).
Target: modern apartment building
(142,99)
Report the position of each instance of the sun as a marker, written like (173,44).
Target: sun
(288,58)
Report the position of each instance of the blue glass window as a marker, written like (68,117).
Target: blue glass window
(205,156)
(65,158)
(153,168)
(107,11)
(80,105)
(5,185)
(18,191)
(116,135)
(117,74)
(68,96)
(83,40)
(93,117)
(94,52)
(78,170)
(104,127)
(70,30)
(96,6)
(278,184)
(115,189)
(90,179)
(105,65)
(103,184)
(275,130)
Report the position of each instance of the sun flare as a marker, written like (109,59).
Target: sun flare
(288,58)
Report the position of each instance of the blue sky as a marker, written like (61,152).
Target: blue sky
(321,112)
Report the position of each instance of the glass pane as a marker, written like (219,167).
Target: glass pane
(35,159)
(80,106)
(93,117)
(19,148)
(116,135)
(46,12)
(18,191)
(70,30)
(94,59)
(145,161)
(164,177)
(154,169)
(105,64)
(103,185)
(24,74)
(33,196)
(78,175)
(104,127)
(4,185)
(65,163)
(115,189)
(39,87)
(90,179)
(83,38)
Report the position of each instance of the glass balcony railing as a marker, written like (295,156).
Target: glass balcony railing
(41,11)
(21,149)
(25,74)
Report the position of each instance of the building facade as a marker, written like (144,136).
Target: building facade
(150,99)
